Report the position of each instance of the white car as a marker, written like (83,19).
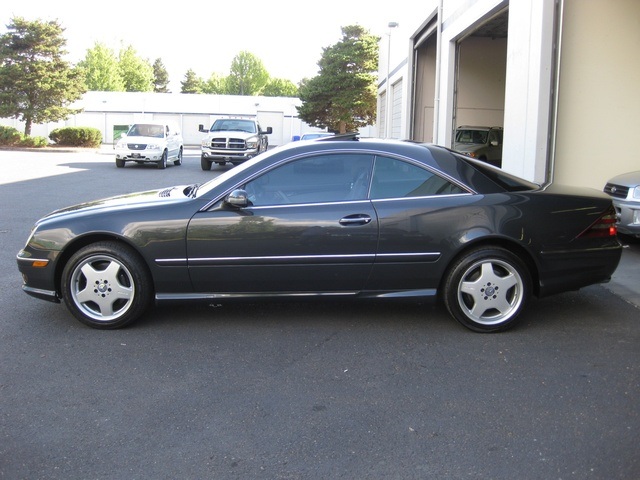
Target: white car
(625,192)
(150,142)
(315,135)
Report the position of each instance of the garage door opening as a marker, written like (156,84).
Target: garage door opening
(480,80)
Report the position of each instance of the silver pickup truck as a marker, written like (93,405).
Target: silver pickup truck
(232,140)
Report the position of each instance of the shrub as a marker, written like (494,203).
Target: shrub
(77,137)
(34,142)
(9,136)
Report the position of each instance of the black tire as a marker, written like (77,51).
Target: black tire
(120,163)
(205,164)
(162,164)
(106,285)
(178,161)
(486,289)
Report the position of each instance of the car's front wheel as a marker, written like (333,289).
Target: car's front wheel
(162,164)
(119,163)
(486,289)
(106,285)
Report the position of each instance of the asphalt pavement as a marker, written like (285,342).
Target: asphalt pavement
(303,391)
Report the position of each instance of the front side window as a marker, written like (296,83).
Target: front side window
(394,178)
(317,179)
(494,136)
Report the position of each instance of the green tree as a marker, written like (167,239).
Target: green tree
(136,72)
(217,84)
(100,67)
(248,75)
(280,87)
(36,84)
(192,83)
(160,77)
(342,96)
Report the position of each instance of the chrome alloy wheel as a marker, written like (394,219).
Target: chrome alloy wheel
(490,291)
(102,287)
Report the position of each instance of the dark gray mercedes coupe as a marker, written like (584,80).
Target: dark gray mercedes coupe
(337,217)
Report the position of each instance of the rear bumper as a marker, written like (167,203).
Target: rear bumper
(572,270)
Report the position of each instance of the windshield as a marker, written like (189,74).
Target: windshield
(220,179)
(248,126)
(471,136)
(146,130)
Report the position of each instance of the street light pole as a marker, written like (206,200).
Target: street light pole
(387,120)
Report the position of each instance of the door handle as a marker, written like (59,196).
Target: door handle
(356,219)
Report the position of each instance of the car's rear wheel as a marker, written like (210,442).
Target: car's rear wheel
(178,161)
(162,164)
(486,289)
(205,164)
(106,285)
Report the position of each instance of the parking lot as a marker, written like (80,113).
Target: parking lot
(303,391)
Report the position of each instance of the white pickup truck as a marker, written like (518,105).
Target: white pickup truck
(232,140)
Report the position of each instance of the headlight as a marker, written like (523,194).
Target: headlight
(636,193)
(205,142)
(252,142)
(121,144)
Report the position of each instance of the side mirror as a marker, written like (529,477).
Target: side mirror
(269,131)
(238,198)
(201,128)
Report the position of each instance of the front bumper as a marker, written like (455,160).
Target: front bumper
(38,281)
(139,155)
(628,217)
(231,155)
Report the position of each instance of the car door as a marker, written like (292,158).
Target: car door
(416,210)
(494,148)
(308,229)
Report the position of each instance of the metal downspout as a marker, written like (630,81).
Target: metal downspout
(554,113)
(436,100)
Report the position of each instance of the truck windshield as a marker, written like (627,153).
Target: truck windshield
(248,126)
(471,136)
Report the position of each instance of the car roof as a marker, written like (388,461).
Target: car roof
(472,127)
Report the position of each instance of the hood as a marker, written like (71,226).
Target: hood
(467,147)
(631,179)
(231,133)
(128,201)
(141,140)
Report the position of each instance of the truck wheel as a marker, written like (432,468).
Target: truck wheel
(205,164)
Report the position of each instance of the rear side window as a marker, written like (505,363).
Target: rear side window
(394,178)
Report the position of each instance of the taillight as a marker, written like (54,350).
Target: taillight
(604,226)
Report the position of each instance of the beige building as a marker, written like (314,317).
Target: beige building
(561,77)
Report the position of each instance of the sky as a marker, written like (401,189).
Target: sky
(286,35)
